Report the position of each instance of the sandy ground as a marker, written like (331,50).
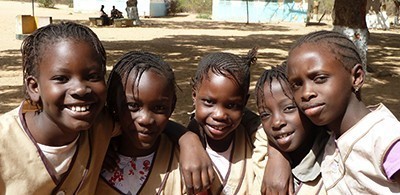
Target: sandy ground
(183,39)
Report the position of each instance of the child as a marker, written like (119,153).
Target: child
(141,96)
(289,131)
(53,142)
(220,93)
(361,157)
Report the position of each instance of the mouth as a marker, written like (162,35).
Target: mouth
(284,135)
(217,129)
(76,108)
(284,139)
(312,109)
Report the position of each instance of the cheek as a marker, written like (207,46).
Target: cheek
(162,122)
(201,112)
(101,91)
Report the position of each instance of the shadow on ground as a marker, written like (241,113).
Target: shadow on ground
(184,52)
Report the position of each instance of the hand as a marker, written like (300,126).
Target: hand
(278,177)
(195,165)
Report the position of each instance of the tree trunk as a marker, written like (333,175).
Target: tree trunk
(349,19)
(397,12)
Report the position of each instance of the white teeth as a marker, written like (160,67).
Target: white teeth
(79,108)
(283,135)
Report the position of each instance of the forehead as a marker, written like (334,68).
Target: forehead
(276,90)
(219,85)
(310,57)
(149,81)
(68,54)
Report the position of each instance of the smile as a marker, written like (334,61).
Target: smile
(84,108)
(283,135)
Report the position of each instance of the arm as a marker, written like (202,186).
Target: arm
(278,177)
(195,164)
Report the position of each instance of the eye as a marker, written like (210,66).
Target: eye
(320,79)
(94,77)
(60,79)
(265,115)
(161,109)
(133,106)
(290,108)
(234,106)
(295,85)
(208,102)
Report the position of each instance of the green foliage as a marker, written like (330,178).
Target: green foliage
(196,6)
(46,3)
(327,6)
(204,16)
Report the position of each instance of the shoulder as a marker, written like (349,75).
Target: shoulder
(250,121)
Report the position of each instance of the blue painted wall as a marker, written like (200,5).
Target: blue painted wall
(236,11)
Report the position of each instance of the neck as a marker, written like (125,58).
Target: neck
(45,132)
(127,148)
(355,111)
(220,145)
(298,155)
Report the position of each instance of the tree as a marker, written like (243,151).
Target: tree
(349,19)
(397,12)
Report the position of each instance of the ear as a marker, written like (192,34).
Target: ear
(358,76)
(32,87)
(193,96)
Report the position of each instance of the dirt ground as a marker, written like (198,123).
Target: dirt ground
(183,39)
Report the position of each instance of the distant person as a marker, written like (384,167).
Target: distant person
(115,13)
(132,11)
(104,16)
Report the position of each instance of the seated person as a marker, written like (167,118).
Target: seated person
(115,13)
(104,16)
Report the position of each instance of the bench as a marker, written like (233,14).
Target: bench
(123,22)
(96,21)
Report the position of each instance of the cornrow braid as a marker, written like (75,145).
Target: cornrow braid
(227,65)
(137,62)
(276,72)
(342,47)
(34,46)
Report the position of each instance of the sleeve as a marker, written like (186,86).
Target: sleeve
(391,164)
(259,158)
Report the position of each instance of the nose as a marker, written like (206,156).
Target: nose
(145,117)
(278,121)
(80,89)
(308,92)
(219,114)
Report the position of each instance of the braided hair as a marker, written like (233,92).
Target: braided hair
(227,65)
(342,47)
(279,74)
(35,45)
(137,62)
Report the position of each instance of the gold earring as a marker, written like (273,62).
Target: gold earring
(356,89)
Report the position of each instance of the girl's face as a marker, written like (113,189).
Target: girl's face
(145,108)
(219,104)
(70,86)
(321,85)
(284,125)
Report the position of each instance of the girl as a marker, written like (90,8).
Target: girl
(289,131)
(53,142)
(361,157)
(220,93)
(141,97)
